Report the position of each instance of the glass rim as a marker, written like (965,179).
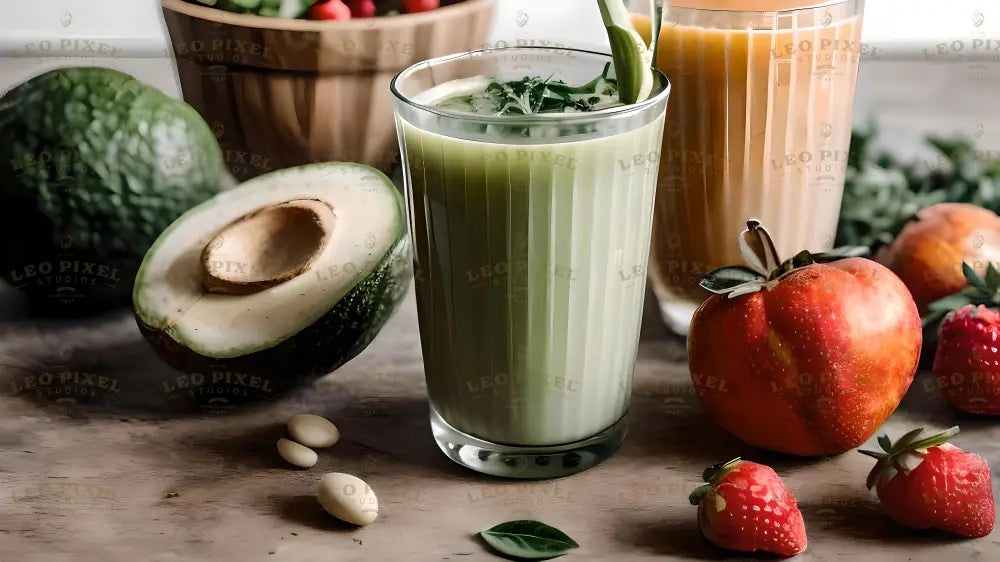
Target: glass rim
(534,118)
(782,12)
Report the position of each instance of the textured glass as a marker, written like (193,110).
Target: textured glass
(759,127)
(530,250)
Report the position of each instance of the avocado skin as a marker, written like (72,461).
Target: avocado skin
(333,340)
(94,164)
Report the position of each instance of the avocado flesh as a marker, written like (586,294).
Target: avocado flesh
(305,326)
(94,164)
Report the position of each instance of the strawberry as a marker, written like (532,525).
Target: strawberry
(745,506)
(930,483)
(967,362)
(330,10)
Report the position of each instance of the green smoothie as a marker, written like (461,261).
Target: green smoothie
(530,264)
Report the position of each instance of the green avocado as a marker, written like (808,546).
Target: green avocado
(94,164)
(241,344)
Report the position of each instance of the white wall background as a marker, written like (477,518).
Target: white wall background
(136,30)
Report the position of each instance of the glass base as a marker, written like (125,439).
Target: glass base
(529,462)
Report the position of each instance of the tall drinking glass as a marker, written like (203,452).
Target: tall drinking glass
(531,238)
(759,126)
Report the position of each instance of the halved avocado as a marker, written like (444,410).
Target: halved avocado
(281,279)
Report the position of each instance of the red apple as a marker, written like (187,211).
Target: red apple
(808,356)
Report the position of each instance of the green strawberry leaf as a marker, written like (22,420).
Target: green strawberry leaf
(528,539)
(974,279)
(951,302)
(992,278)
(935,440)
(904,441)
(885,468)
(695,497)
(726,279)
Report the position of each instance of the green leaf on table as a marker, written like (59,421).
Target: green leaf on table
(725,279)
(528,539)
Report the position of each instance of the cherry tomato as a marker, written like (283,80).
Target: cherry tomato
(414,6)
(362,8)
(330,10)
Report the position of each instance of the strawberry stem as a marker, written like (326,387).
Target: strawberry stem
(713,472)
(698,493)
(765,267)
(710,476)
(888,462)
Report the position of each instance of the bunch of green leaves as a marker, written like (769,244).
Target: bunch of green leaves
(882,193)
(533,94)
(979,291)
(267,8)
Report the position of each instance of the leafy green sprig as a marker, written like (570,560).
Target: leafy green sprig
(533,94)
(883,193)
(979,291)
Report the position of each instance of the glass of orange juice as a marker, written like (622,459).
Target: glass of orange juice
(759,125)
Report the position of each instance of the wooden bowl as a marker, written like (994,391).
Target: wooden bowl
(284,92)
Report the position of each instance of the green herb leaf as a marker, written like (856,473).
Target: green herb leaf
(532,94)
(528,539)
(726,279)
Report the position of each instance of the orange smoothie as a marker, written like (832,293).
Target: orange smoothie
(759,126)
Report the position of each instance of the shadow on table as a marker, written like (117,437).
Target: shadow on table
(395,438)
(306,511)
(677,537)
(859,517)
(87,366)
(860,520)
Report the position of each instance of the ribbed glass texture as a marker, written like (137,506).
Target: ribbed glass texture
(530,249)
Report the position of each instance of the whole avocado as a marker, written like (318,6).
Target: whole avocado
(94,164)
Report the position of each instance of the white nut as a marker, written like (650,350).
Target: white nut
(296,454)
(347,498)
(313,431)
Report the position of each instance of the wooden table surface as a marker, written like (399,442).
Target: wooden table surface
(91,483)
(131,483)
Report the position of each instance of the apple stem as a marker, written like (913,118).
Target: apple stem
(758,249)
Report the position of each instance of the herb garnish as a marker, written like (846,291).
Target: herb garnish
(533,94)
